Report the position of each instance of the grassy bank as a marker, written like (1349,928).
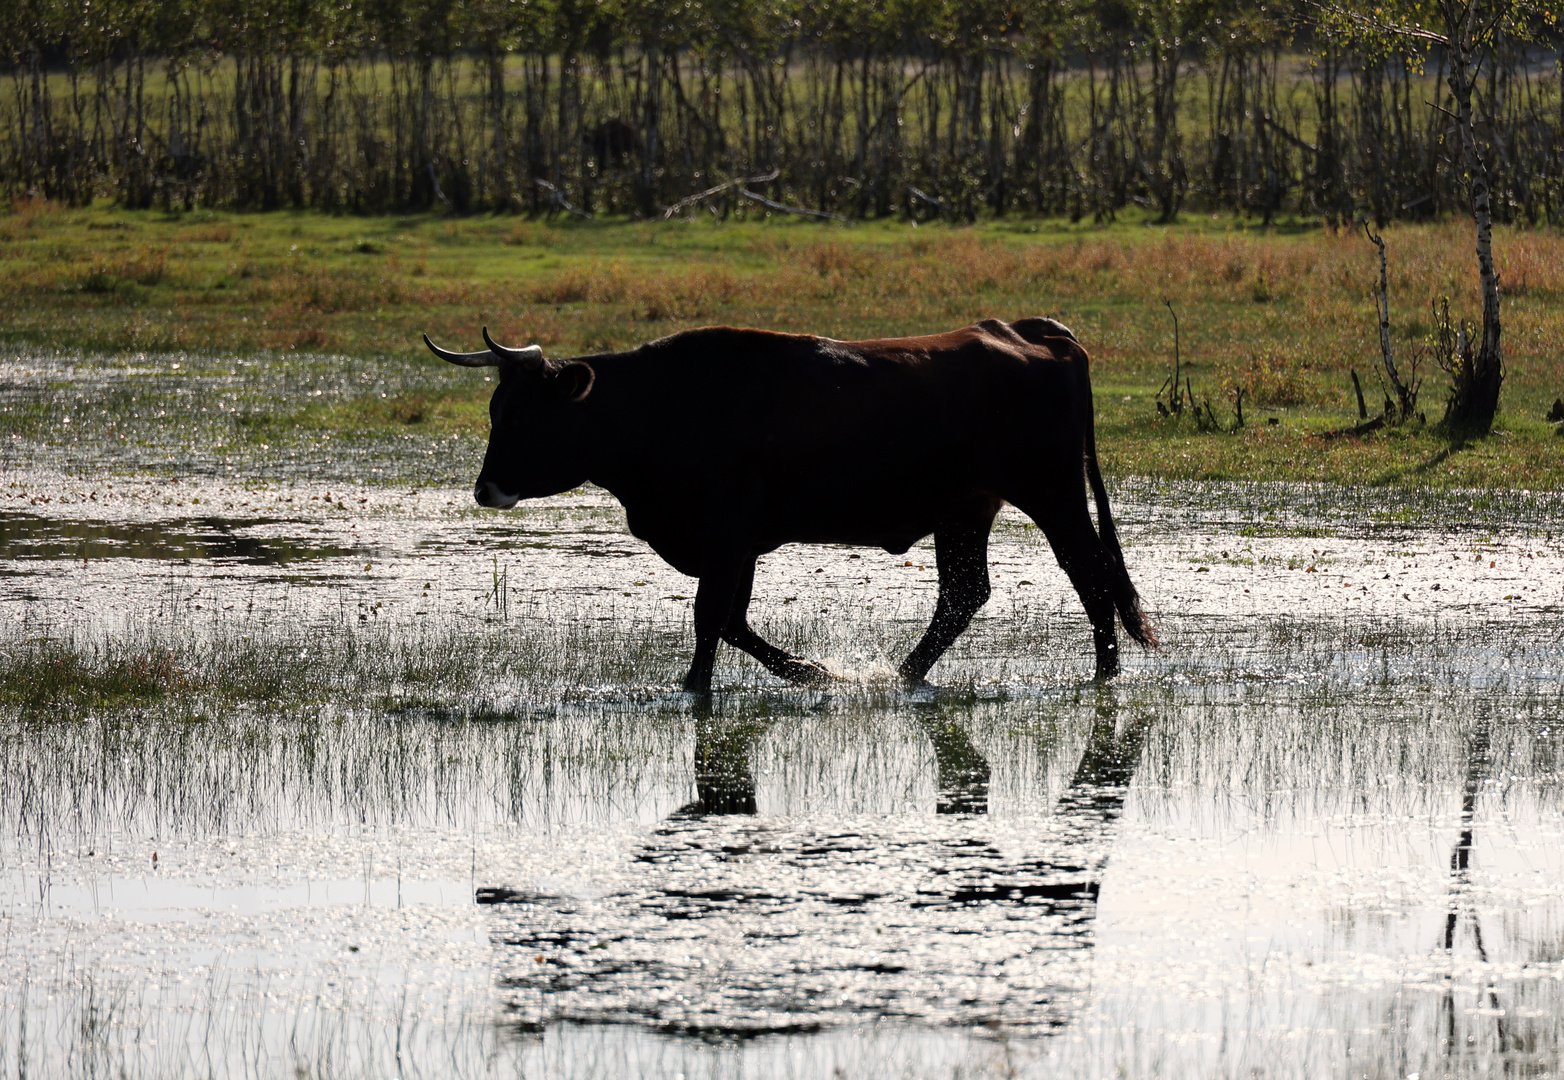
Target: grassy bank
(1285,314)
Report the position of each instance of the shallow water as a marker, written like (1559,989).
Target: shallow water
(217,416)
(1320,831)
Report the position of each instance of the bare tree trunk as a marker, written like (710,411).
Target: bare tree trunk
(1406,396)
(651,124)
(496,179)
(1474,399)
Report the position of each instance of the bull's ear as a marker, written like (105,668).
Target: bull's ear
(573,381)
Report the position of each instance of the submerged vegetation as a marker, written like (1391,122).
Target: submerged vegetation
(172,670)
(547,660)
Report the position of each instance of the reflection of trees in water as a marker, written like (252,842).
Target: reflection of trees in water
(1521,1006)
(1479,765)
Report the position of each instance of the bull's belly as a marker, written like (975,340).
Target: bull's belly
(757,521)
(688,554)
(870,523)
(896,543)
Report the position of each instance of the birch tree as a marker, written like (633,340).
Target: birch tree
(1469,33)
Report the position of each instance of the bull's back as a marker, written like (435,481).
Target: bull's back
(876,442)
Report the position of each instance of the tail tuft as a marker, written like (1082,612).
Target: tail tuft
(1137,626)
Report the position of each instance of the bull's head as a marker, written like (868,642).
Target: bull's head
(535,432)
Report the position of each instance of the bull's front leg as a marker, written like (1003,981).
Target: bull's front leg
(714,596)
(721,614)
(780,662)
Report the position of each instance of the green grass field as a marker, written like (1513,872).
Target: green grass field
(1284,313)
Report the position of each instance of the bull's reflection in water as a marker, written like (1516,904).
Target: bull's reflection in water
(725,776)
(733,922)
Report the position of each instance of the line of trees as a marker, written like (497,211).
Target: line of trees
(922,108)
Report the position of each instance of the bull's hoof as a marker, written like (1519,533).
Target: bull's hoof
(806,673)
(693,684)
(1107,658)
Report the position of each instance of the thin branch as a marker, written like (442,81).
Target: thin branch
(1363,22)
(800,211)
(559,198)
(701,196)
(1175,399)
(1500,12)
(1482,162)
(1289,136)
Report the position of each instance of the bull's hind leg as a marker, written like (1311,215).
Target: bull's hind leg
(779,662)
(1063,517)
(961,556)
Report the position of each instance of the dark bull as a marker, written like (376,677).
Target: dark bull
(724,444)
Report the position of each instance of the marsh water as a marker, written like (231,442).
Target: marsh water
(1320,831)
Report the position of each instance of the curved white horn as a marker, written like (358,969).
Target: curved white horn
(531,357)
(465,359)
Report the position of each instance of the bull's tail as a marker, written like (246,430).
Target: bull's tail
(1125,598)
